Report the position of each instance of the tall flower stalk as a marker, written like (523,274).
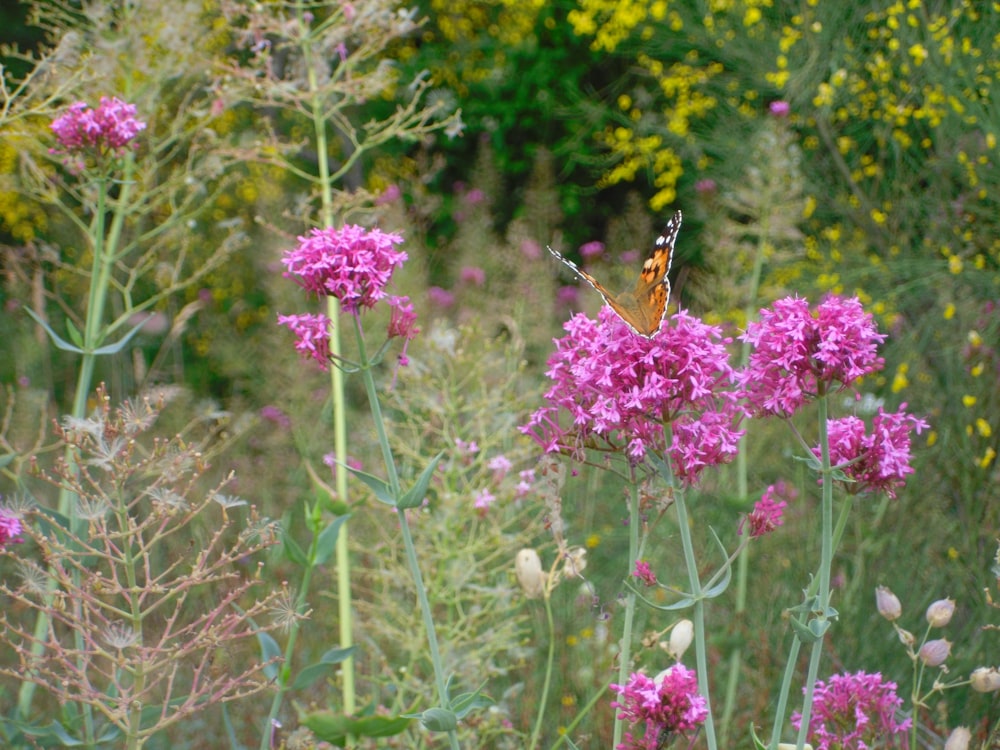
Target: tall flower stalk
(663,404)
(330,62)
(355,265)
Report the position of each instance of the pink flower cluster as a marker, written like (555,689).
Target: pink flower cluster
(352,263)
(620,390)
(795,352)
(879,462)
(667,704)
(110,127)
(854,712)
(10,527)
(766,515)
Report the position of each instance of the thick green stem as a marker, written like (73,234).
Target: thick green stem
(625,646)
(698,614)
(411,553)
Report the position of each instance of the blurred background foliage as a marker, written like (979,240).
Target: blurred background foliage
(852,146)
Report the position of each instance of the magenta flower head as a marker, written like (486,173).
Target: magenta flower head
(10,527)
(352,264)
(619,391)
(312,336)
(854,711)
(879,462)
(797,351)
(667,704)
(766,515)
(109,128)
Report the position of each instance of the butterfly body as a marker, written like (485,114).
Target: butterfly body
(644,307)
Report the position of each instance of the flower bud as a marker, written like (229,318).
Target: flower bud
(934,653)
(887,603)
(680,638)
(905,636)
(940,612)
(985,680)
(958,739)
(528,568)
(792,746)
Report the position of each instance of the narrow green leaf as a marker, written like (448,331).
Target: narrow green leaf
(465,703)
(308,675)
(758,745)
(327,541)
(334,728)
(74,333)
(269,650)
(436,719)
(292,549)
(120,344)
(57,340)
(803,632)
(381,488)
(415,496)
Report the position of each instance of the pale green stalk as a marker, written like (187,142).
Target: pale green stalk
(411,552)
(625,647)
(549,662)
(104,251)
(742,492)
(697,615)
(829,538)
(345,621)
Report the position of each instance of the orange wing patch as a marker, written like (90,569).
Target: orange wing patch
(644,307)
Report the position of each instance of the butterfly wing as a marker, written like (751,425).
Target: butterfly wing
(643,308)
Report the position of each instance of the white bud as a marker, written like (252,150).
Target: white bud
(528,568)
(680,638)
(958,739)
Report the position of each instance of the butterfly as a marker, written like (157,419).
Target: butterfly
(644,307)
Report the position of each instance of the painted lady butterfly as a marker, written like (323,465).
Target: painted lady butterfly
(644,307)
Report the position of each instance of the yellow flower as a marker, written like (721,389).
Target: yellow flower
(987,458)
(949,311)
(968,401)
(955,264)
(983,427)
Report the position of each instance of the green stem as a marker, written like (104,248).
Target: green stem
(404,525)
(826,565)
(344,609)
(742,491)
(104,250)
(625,646)
(549,662)
(698,614)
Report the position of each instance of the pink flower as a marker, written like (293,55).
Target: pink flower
(110,127)
(352,264)
(705,186)
(402,319)
(796,351)
(644,573)
(483,500)
(667,704)
(275,415)
(591,249)
(499,465)
(473,275)
(312,333)
(854,712)
(619,390)
(766,514)
(391,194)
(879,462)
(440,297)
(10,527)
(779,108)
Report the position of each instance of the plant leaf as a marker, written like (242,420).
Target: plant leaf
(327,541)
(269,650)
(292,549)
(308,675)
(415,495)
(381,488)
